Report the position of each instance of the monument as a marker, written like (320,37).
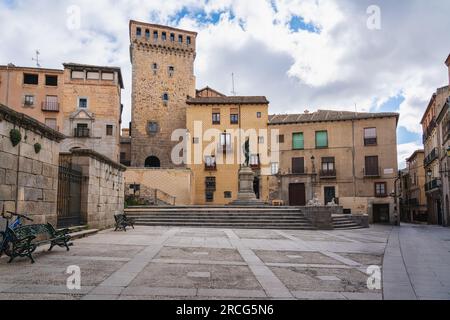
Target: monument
(246,195)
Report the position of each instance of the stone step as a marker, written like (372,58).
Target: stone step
(83,233)
(75,228)
(289,226)
(222,216)
(265,222)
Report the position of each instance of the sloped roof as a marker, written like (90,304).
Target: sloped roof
(210,89)
(228,100)
(327,115)
(447,62)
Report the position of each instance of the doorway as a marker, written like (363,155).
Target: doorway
(330,194)
(297,194)
(152,162)
(381,213)
(256,188)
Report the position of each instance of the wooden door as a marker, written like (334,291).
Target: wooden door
(297,196)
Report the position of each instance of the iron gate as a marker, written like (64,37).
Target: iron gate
(69,196)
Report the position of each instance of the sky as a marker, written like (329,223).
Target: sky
(300,54)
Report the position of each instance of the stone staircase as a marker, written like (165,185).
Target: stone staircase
(79,232)
(221,217)
(345,222)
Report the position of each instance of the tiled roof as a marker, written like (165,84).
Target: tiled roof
(71,65)
(228,100)
(327,115)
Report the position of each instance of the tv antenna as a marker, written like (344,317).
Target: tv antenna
(37,59)
(232,83)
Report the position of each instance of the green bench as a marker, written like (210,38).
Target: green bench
(23,241)
(122,222)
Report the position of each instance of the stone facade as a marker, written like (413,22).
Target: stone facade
(125,148)
(39,100)
(162,79)
(28,180)
(102,189)
(337,169)
(171,185)
(100,114)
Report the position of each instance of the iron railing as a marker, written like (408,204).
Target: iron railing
(327,174)
(433,155)
(51,106)
(81,133)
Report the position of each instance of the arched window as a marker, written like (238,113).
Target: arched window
(165,98)
(152,162)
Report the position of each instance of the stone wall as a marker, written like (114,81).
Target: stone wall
(177,183)
(102,190)
(28,180)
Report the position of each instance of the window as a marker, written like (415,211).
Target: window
(275,168)
(164,36)
(380,189)
(82,103)
(165,98)
(180,38)
(234,119)
(93,75)
(227,194)
(280,138)
(188,40)
(209,196)
(370,136)
(298,165)
(254,161)
(109,130)
(321,139)
(108,76)
(155,35)
(51,81)
(82,131)
(210,184)
(328,167)
(216,118)
(210,163)
(123,156)
(154,67)
(30,79)
(171,71)
(152,127)
(147,33)
(260,140)
(259,115)
(195,140)
(29,100)
(371,168)
(51,122)
(138,32)
(172,37)
(50,104)
(298,142)
(225,139)
(77,74)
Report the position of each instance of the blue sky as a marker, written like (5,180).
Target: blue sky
(301,54)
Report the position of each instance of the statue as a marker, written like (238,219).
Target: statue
(247,152)
(314,202)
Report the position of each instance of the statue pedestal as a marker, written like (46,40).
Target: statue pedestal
(246,195)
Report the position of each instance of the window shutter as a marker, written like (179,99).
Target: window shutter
(298,165)
(298,141)
(321,139)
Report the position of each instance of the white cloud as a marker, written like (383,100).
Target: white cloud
(405,151)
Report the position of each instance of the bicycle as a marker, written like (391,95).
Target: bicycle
(5,241)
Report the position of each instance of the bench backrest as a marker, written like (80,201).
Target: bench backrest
(35,230)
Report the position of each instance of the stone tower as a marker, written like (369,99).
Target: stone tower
(163,78)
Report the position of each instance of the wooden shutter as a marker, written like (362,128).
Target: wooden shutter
(372,166)
(297,141)
(298,165)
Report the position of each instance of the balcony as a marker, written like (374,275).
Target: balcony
(370,142)
(429,130)
(372,172)
(432,185)
(50,106)
(210,167)
(433,155)
(327,174)
(81,133)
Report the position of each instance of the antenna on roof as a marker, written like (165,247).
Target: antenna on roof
(232,83)
(356,108)
(37,59)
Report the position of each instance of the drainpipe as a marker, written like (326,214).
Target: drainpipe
(7,83)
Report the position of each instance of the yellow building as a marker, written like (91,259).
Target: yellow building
(218,127)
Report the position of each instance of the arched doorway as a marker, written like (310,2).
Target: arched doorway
(152,162)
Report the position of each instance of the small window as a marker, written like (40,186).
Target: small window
(93,75)
(82,103)
(298,142)
(155,35)
(164,36)
(280,138)
(154,67)
(138,32)
(380,189)
(227,194)
(254,160)
(210,163)
(225,141)
(123,156)
(234,119)
(371,166)
(172,37)
(165,98)
(77,74)
(261,140)
(209,196)
(259,115)
(188,40)
(321,139)
(180,39)
(298,165)
(147,33)
(31,79)
(195,140)
(210,184)
(29,100)
(51,81)
(370,136)
(108,76)
(275,168)
(51,123)
(153,127)
(171,71)
(216,118)
(109,130)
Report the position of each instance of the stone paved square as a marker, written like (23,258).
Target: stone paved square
(188,263)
